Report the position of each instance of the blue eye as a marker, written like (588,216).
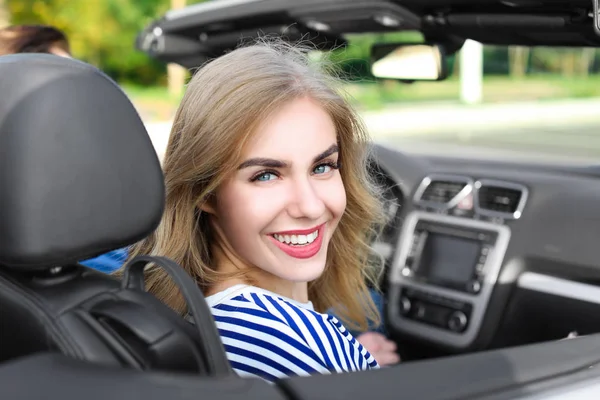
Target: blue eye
(324,169)
(266,176)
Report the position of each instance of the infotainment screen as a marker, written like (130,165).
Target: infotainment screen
(449,259)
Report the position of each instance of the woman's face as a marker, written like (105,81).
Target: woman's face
(280,209)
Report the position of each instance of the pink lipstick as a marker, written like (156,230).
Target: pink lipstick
(300,243)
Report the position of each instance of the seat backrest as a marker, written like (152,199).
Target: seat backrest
(79,177)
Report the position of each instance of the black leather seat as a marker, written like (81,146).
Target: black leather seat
(79,177)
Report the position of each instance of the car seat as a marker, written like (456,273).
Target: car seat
(79,177)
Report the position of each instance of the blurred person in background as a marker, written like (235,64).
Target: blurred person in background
(33,39)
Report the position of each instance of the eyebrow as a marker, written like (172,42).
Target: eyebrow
(271,163)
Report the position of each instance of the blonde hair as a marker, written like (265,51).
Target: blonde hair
(224,103)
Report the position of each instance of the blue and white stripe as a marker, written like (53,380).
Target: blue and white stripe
(271,337)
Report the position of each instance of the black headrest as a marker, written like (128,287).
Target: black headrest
(78,173)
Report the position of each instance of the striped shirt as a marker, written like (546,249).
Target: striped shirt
(270,337)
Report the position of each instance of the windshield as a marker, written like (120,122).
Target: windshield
(522,103)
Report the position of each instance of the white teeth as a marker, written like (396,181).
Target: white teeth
(297,239)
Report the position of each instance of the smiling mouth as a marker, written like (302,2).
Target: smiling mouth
(300,244)
(297,240)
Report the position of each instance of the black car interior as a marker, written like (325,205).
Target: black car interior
(488,263)
(192,35)
(527,238)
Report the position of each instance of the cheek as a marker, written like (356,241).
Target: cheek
(334,196)
(245,210)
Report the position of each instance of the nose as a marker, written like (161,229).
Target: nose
(306,200)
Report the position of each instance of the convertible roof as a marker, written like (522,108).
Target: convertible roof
(201,31)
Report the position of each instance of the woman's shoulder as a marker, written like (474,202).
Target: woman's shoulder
(255,308)
(255,324)
(261,298)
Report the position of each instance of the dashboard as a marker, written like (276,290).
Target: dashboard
(488,254)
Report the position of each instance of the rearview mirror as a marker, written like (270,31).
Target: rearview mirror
(409,62)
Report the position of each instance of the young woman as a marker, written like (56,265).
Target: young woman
(269,207)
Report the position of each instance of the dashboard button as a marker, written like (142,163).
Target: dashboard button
(474,286)
(405,305)
(457,321)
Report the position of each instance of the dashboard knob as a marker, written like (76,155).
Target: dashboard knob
(457,321)
(475,287)
(405,305)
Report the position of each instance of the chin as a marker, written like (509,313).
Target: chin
(302,272)
(293,269)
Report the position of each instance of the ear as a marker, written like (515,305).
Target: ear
(208,205)
(207,208)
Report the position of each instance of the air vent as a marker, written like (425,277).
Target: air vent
(442,191)
(500,199)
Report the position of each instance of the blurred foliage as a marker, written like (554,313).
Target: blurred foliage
(101,32)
